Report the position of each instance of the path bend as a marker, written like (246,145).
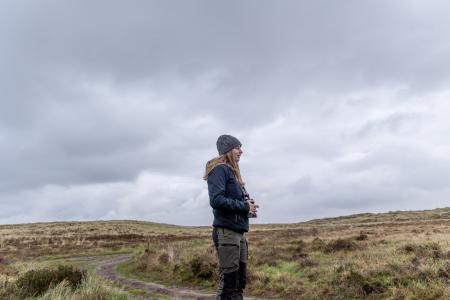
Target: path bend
(106,268)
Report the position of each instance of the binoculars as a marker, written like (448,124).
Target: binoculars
(247,197)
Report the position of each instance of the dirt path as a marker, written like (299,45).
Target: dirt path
(106,267)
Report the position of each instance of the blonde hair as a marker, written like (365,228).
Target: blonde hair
(226,158)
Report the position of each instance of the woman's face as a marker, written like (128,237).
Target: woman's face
(236,153)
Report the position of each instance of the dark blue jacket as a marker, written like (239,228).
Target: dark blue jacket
(227,199)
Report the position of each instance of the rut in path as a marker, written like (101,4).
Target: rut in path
(107,269)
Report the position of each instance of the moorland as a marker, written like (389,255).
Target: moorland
(394,255)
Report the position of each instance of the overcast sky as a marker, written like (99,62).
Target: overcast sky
(110,109)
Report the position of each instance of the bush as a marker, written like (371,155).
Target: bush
(444,272)
(164,258)
(431,250)
(353,284)
(73,276)
(361,237)
(37,282)
(340,244)
(317,244)
(299,245)
(201,268)
(306,262)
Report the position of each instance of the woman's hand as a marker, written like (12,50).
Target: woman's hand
(253,208)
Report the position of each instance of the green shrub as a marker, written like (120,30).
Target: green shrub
(164,258)
(202,269)
(339,245)
(354,284)
(444,272)
(73,276)
(37,282)
(432,250)
(306,262)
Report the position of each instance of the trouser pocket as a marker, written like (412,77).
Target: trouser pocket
(229,249)
(228,257)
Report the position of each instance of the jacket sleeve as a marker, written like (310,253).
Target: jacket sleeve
(217,181)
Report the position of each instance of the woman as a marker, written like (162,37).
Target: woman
(231,208)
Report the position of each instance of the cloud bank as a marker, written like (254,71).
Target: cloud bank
(110,110)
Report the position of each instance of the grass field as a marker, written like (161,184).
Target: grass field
(396,255)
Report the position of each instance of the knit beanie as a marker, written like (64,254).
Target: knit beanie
(226,142)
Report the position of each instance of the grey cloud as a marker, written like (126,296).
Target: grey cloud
(395,123)
(409,167)
(301,43)
(325,96)
(302,185)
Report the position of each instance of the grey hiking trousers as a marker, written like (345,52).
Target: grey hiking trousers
(232,249)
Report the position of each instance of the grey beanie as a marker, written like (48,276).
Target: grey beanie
(226,142)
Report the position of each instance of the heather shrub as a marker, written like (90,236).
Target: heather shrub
(353,284)
(37,282)
(361,237)
(339,245)
(163,258)
(202,268)
(431,250)
(306,262)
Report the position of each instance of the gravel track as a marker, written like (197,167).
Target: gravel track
(106,267)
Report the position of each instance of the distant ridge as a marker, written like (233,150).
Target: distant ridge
(391,216)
